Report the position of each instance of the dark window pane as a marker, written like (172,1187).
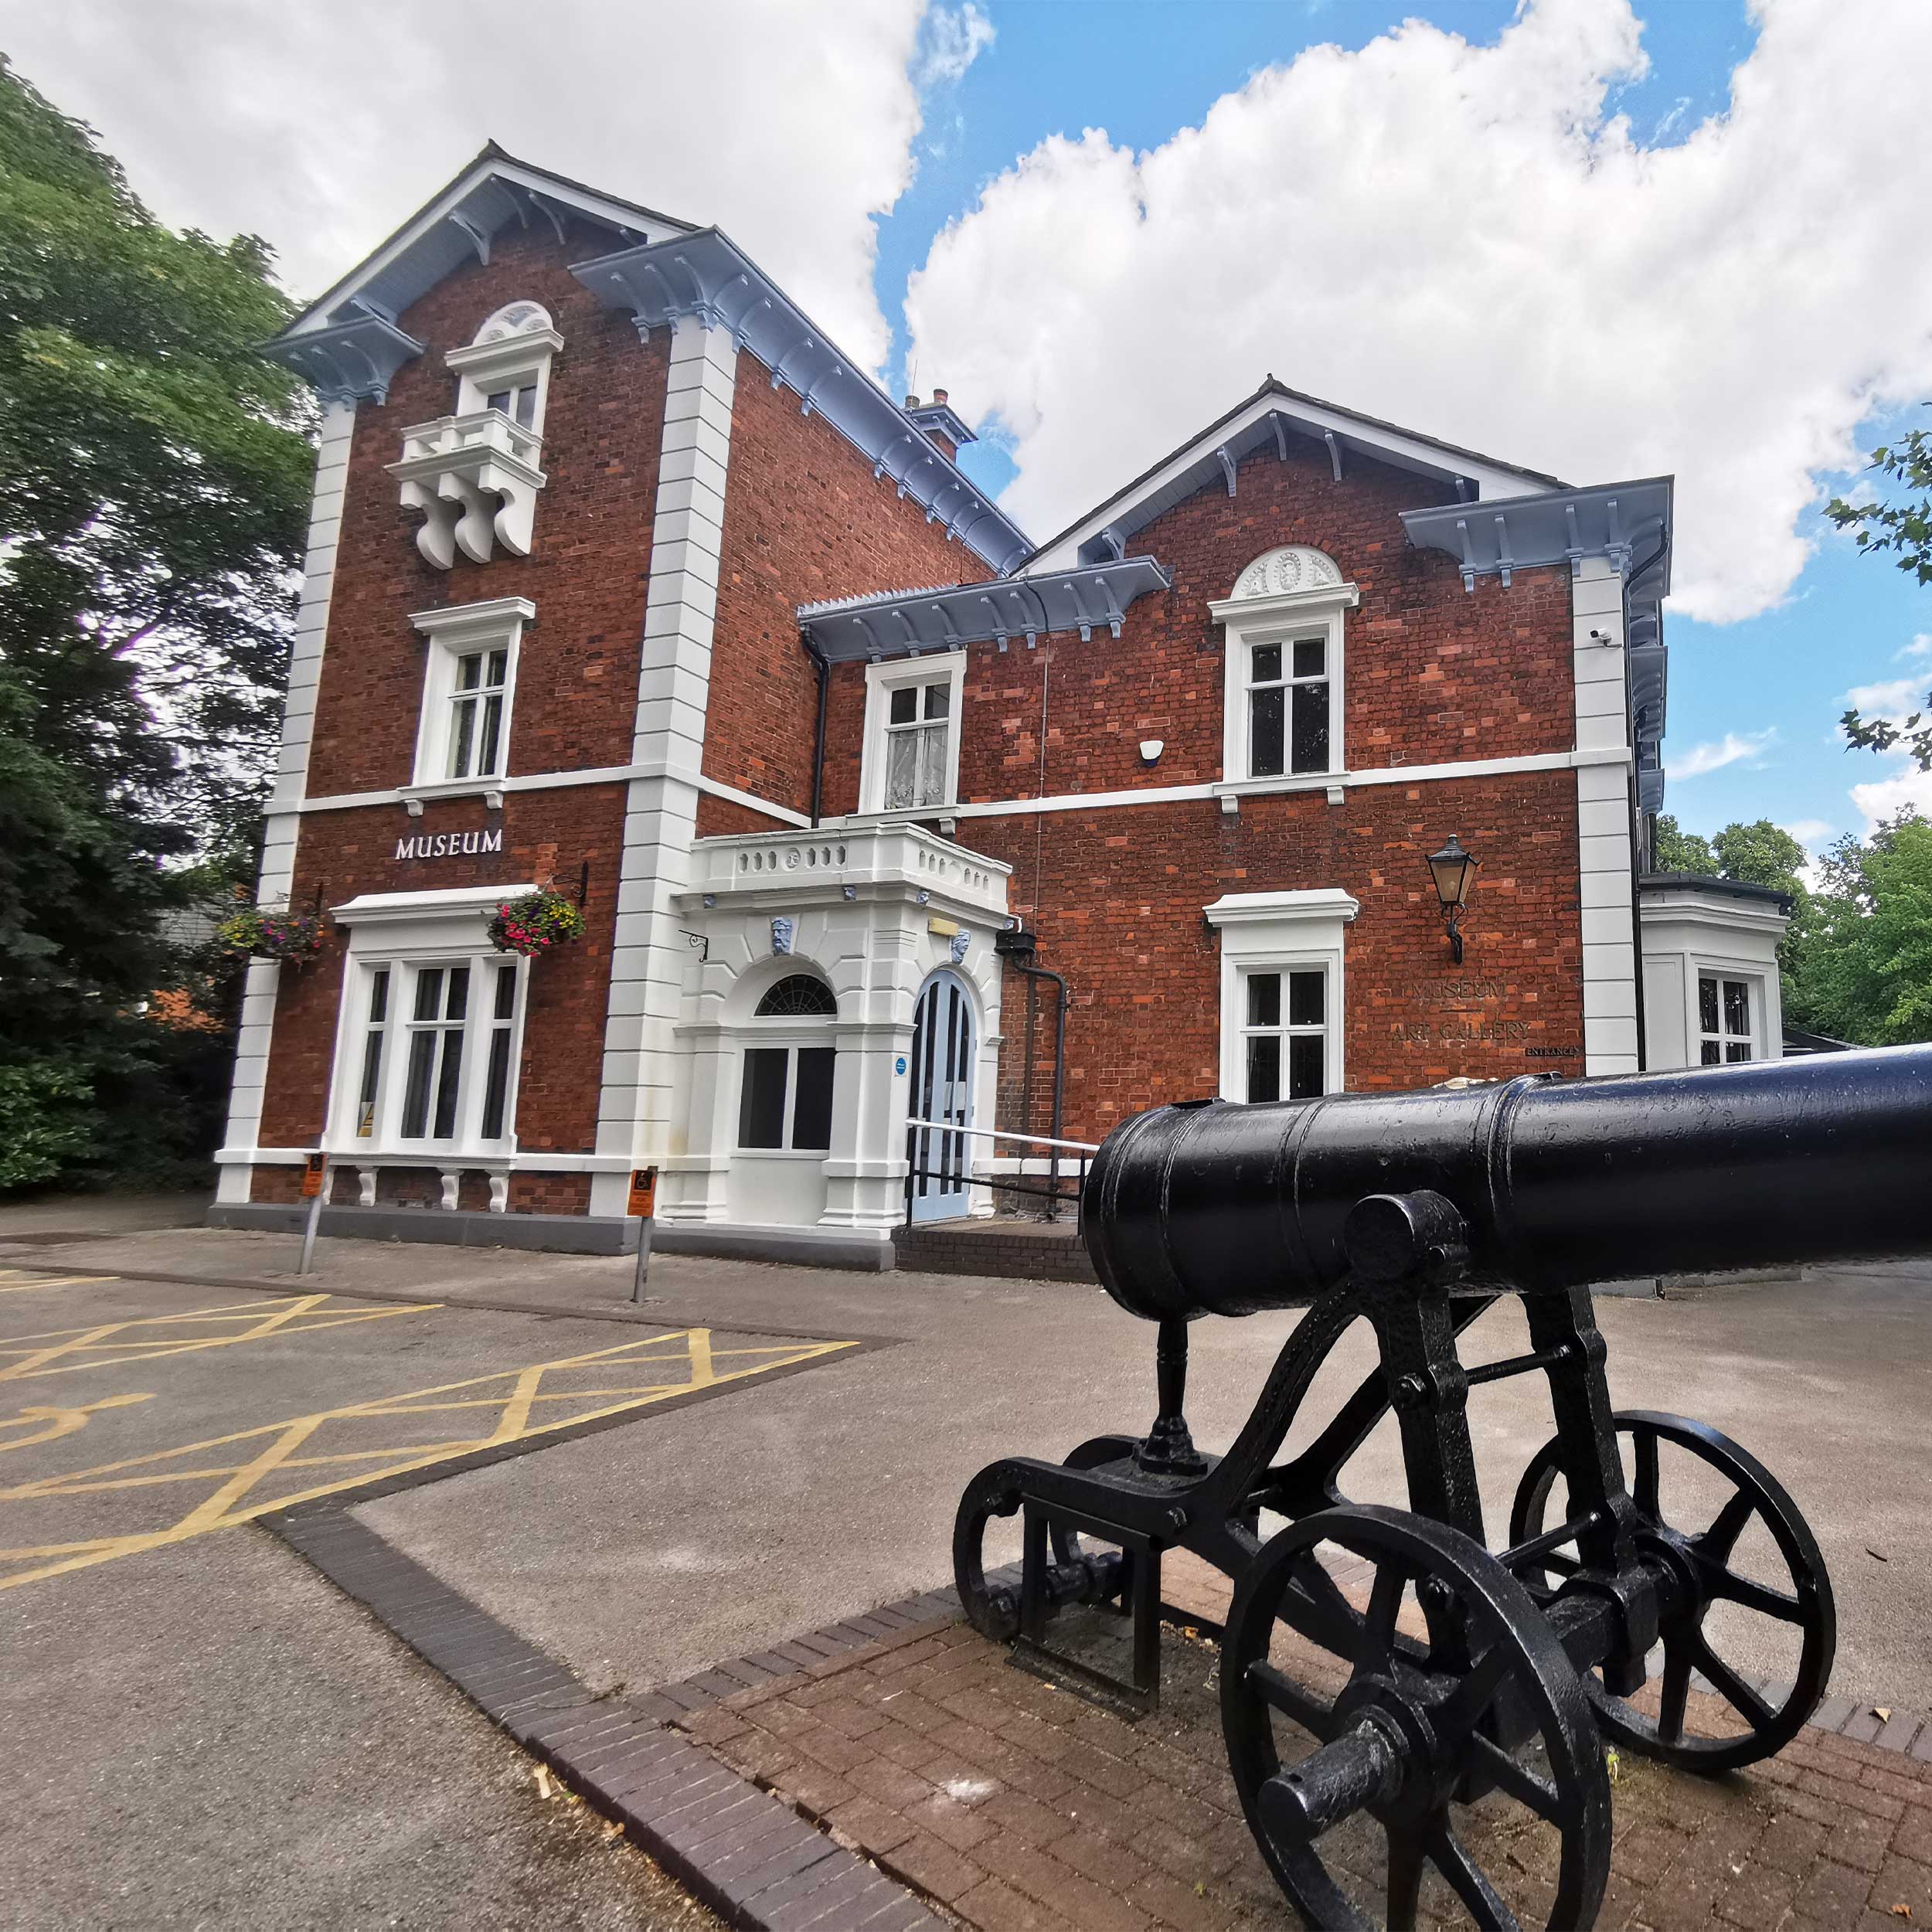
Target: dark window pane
(446,1086)
(1709,1056)
(1737,1006)
(1304,999)
(1305,1066)
(496,1086)
(499,663)
(416,1093)
(1265,664)
(905,705)
(1707,1005)
(492,731)
(1264,999)
(1264,733)
(939,698)
(379,997)
(1311,727)
(1264,1067)
(798,994)
(469,671)
(761,1109)
(1311,656)
(812,1104)
(428,993)
(371,1072)
(505,991)
(1738,1050)
(526,405)
(459,991)
(497,399)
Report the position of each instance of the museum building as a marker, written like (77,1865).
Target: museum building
(1321,756)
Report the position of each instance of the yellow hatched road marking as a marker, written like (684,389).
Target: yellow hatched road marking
(520,1413)
(105,1344)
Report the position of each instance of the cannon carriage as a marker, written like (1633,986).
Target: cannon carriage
(1445,1675)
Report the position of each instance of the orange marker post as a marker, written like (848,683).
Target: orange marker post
(315,1187)
(642,1205)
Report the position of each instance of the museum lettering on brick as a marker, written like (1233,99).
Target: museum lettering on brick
(1322,756)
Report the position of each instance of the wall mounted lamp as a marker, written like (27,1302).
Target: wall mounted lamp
(1452,869)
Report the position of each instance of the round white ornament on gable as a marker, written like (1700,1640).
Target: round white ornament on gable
(513,319)
(1293,567)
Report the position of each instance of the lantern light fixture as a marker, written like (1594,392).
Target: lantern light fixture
(1453,868)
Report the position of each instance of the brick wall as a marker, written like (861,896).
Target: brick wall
(805,519)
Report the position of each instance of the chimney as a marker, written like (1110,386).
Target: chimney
(936,421)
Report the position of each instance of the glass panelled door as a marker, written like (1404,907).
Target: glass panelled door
(942,1091)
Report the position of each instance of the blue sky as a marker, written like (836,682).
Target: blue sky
(1599,238)
(1775,682)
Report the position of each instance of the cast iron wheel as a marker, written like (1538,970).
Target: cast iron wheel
(993,1610)
(1488,1705)
(1699,1563)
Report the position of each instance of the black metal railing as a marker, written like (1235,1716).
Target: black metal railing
(965,1178)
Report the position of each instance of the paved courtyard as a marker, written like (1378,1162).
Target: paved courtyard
(640,1493)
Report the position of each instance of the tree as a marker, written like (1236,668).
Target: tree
(1867,975)
(153,480)
(1680,851)
(1905,528)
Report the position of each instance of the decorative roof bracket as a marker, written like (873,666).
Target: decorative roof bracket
(1227,466)
(479,238)
(1334,453)
(1281,423)
(1505,563)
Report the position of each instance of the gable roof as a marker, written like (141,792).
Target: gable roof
(1272,415)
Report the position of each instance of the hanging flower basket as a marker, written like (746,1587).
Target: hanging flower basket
(537,922)
(271,933)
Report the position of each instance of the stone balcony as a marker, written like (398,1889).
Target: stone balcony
(476,480)
(775,869)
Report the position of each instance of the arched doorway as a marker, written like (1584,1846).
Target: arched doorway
(942,1060)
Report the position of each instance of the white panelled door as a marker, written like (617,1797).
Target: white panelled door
(942,1090)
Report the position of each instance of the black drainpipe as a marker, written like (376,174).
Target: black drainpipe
(1638,842)
(1016,947)
(818,743)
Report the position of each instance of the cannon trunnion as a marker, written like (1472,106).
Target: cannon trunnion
(1435,1675)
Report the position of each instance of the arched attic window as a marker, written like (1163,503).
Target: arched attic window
(785,1103)
(1282,713)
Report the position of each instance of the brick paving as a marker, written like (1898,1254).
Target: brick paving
(1013,1804)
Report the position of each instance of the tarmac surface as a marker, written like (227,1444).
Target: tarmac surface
(204,1731)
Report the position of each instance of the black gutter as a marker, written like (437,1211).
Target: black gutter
(818,743)
(1639,844)
(1017,952)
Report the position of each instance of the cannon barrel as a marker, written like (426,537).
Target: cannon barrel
(1208,1208)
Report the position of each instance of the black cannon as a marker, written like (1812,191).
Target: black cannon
(1450,1676)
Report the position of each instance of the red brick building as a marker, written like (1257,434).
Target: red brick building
(623,581)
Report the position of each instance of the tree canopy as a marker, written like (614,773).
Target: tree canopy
(154,478)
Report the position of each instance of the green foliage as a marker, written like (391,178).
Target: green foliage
(154,473)
(1761,854)
(1680,851)
(1904,528)
(1867,975)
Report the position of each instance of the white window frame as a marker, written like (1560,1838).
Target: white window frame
(1281,620)
(1696,1038)
(1281,932)
(407,934)
(512,360)
(881,681)
(454,633)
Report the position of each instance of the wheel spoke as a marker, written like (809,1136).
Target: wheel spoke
(1517,1779)
(1753,1595)
(1466,1704)
(1405,1880)
(1384,1605)
(1281,1692)
(1721,1538)
(1485,1905)
(1733,1690)
(1645,1441)
(1333,1621)
(1670,1709)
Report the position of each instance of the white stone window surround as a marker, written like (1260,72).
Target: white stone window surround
(1752,979)
(453,633)
(1258,613)
(474,475)
(408,933)
(1284,932)
(882,680)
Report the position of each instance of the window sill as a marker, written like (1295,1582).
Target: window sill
(1231,791)
(415,796)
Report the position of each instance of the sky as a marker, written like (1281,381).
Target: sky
(1597,238)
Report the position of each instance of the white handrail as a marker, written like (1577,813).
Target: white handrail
(991,1133)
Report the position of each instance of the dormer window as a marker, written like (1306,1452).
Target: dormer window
(474,475)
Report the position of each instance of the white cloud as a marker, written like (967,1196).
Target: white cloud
(1883,798)
(1809,832)
(1920,647)
(321,126)
(1732,748)
(1465,239)
(1890,700)
(952,40)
